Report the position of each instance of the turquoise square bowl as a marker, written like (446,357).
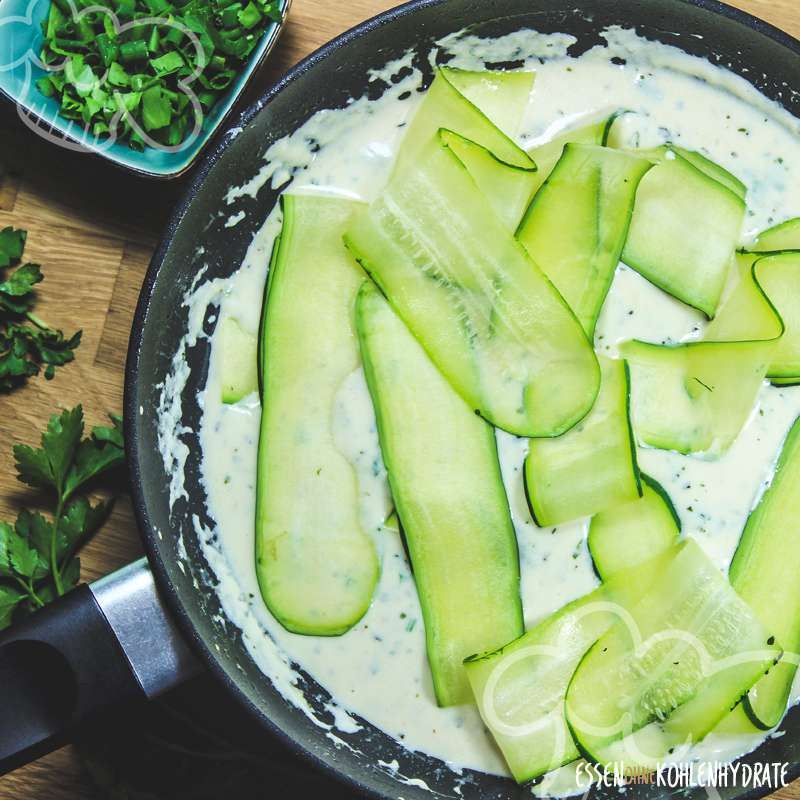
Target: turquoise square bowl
(20,43)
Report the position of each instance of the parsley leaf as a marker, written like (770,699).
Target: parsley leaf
(24,560)
(33,467)
(20,283)
(9,600)
(60,442)
(71,574)
(6,532)
(38,560)
(12,243)
(33,528)
(78,523)
(113,434)
(27,343)
(103,451)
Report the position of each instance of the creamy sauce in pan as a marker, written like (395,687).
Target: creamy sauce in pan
(378,670)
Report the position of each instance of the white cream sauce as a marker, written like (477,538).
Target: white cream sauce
(378,670)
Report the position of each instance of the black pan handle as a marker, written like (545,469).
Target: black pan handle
(96,650)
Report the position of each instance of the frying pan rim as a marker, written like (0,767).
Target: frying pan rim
(169,591)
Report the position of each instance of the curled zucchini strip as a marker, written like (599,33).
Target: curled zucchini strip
(507,187)
(547,155)
(713,170)
(779,274)
(785,236)
(617,137)
(577,224)
(488,317)
(452,102)
(591,467)
(502,95)
(629,534)
(768,557)
(510,187)
(684,230)
(664,675)
(520,688)
(696,396)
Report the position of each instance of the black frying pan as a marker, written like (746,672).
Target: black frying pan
(112,640)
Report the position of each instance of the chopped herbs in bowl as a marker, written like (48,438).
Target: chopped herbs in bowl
(123,74)
(144,82)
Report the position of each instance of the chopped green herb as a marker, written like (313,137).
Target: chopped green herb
(156,109)
(27,343)
(249,16)
(167,64)
(133,51)
(155,60)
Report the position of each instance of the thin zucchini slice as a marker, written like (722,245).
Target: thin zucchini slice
(448,492)
(577,224)
(736,723)
(488,317)
(392,523)
(684,231)
(780,239)
(632,533)
(695,397)
(548,154)
(508,189)
(687,653)
(713,170)
(785,381)
(616,138)
(273,259)
(765,572)
(502,95)
(239,350)
(785,236)
(779,276)
(591,467)
(447,105)
(520,688)
(316,566)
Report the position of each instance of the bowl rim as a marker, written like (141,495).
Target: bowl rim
(131,412)
(198,149)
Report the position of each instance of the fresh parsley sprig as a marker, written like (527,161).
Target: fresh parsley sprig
(26,342)
(38,555)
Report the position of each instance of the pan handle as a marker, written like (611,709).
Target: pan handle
(96,650)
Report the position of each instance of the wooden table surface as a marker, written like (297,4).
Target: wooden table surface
(93,230)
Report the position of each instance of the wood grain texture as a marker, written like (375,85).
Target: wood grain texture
(94,229)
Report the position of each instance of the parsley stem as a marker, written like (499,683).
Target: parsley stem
(37,321)
(35,597)
(29,590)
(54,568)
